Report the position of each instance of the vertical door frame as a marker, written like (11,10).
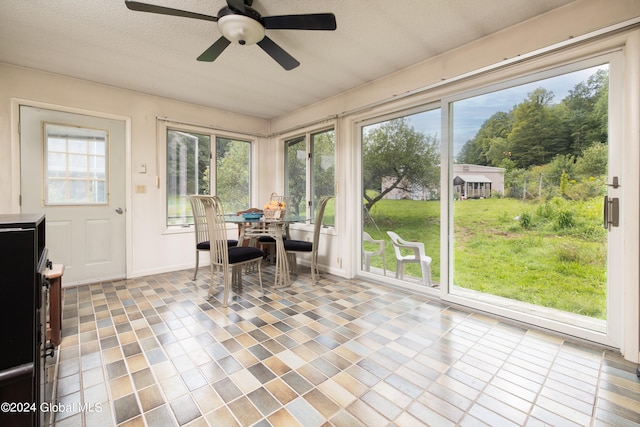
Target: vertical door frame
(16,103)
(630,134)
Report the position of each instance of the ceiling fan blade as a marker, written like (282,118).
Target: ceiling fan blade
(236,5)
(214,50)
(152,8)
(287,61)
(312,21)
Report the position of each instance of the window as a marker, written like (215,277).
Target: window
(190,171)
(401,193)
(535,235)
(75,165)
(310,172)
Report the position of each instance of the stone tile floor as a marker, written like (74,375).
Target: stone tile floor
(153,351)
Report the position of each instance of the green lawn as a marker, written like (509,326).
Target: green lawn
(551,254)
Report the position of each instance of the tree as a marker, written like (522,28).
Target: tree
(297,174)
(537,133)
(469,153)
(232,173)
(499,150)
(593,162)
(587,111)
(562,163)
(323,165)
(569,136)
(404,158)
(481,150)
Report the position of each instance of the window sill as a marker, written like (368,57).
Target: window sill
(178,229)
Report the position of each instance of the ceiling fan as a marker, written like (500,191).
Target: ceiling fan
(239,23)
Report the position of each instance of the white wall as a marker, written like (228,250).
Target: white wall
(151,249)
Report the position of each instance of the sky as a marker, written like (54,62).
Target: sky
(471,113)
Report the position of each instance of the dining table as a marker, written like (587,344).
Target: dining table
(254,227)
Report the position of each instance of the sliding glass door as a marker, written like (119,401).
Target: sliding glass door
(401,197)
(532,171)
(516,211)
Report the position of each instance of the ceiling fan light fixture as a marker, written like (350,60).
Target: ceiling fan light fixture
(241,29)
(239,23)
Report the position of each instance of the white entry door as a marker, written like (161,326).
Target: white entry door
(73,171)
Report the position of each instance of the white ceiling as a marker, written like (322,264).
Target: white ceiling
(103,41)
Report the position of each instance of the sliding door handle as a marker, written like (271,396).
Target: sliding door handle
(611,212)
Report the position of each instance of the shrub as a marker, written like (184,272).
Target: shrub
(593,161)
(545,211)
(588,188)
(525,220)
(564,219)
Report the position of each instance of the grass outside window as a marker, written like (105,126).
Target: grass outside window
(554,258)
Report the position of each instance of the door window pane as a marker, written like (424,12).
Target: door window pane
(528,193)
(75,165)
(401,194)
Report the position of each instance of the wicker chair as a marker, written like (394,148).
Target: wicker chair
(222,256)
(293,247)
(201,230)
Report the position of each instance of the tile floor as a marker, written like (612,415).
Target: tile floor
(153,351)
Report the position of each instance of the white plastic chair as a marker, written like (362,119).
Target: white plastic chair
(366,237)
(224,257)
(418,257)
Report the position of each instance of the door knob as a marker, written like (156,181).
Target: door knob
(119,211)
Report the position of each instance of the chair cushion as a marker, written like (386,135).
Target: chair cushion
(243,253)
(269,239)
(206,246)
(298,245)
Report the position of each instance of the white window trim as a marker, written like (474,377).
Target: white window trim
(162,127)
(307,132)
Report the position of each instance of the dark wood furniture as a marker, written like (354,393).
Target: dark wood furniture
(54,274)
(23,259)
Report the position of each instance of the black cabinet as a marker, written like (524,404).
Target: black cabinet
(23,259)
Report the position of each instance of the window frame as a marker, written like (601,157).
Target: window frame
(214,135)
(90,135)
(310,179)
